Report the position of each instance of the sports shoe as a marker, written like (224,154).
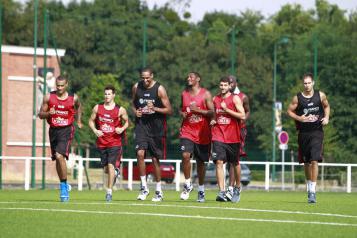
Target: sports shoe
(116,175)
(69,187)
(64,194)
(236,194)
(229,193)
(186,191)
(144,192)
(108,197)
(221,197)
(158,197)
(201,196)
(311,197)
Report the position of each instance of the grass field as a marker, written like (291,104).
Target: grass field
(38,213)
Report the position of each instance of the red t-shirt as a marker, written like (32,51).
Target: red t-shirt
(226,129)
(65,111)
(107,121)
(195,126)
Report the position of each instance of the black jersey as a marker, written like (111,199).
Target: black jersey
(151,123)
(309,106)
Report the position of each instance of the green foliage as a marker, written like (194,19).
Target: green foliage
(104,41)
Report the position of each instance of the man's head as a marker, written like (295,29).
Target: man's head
(61,84)
(147,75)
(109,93)
(232,82)
(309,82)
(193,79)
(224,85)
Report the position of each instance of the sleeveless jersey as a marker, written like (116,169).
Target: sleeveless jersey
(107,121)
(64,108)
(226,129)
(151,123)
(309,106)
(195,127)
(242,122)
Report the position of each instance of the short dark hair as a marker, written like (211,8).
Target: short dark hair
(62,77)
(308,75)
(196,74)
(232,79)
(110,87)
(147,69)
(225,79)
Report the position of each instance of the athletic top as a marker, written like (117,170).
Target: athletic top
(64,108)
(151,123)
(242,122)
(226,129)
(309,106)
(107,121)
(195,126)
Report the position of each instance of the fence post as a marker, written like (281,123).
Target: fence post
(178,175)
(267,167)
(349,178)
(80,172)
(27,174)
(130,175)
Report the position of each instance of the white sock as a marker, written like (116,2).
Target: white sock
(158,186)
(143,181)
(308,185)
(230,188)
(188,181)
(201,188)
(109,191)
(313,187)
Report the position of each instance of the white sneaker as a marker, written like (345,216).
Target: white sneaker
(158,197)
(144,192)
(185,194)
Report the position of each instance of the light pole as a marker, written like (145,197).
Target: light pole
(282,40)
(233,50)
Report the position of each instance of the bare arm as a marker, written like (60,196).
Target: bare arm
(136,112)
(123,115)
(240,114)
(45,112)
(246,107)
(78,106)
(167,109)
(291,112)
(91,122)
(209,104)
(326,107)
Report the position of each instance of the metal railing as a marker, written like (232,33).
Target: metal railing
(80,167)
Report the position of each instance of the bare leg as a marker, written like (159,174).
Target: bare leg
(314,171)
(201,172)
(231,176)
(237,171)
(61,166)
(110,169)
(140,155)
(157,170)
(307,168)
(186,163)
(220,175)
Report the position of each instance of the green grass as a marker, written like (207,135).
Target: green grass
(38,213)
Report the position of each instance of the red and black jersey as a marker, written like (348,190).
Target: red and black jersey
(64,110)
(226,129)
(106,121)
(195,126)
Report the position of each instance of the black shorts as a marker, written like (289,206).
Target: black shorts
(110,155)
(198,151)
(156,146)
(310,146)
(60,140)
(227,152)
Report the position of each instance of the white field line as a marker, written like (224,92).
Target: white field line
(181,216)
(193,207)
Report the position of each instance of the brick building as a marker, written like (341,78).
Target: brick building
(17,103)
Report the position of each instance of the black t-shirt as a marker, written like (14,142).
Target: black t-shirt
(309,106)
(151,123)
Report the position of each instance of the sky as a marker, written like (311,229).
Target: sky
(267,7)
